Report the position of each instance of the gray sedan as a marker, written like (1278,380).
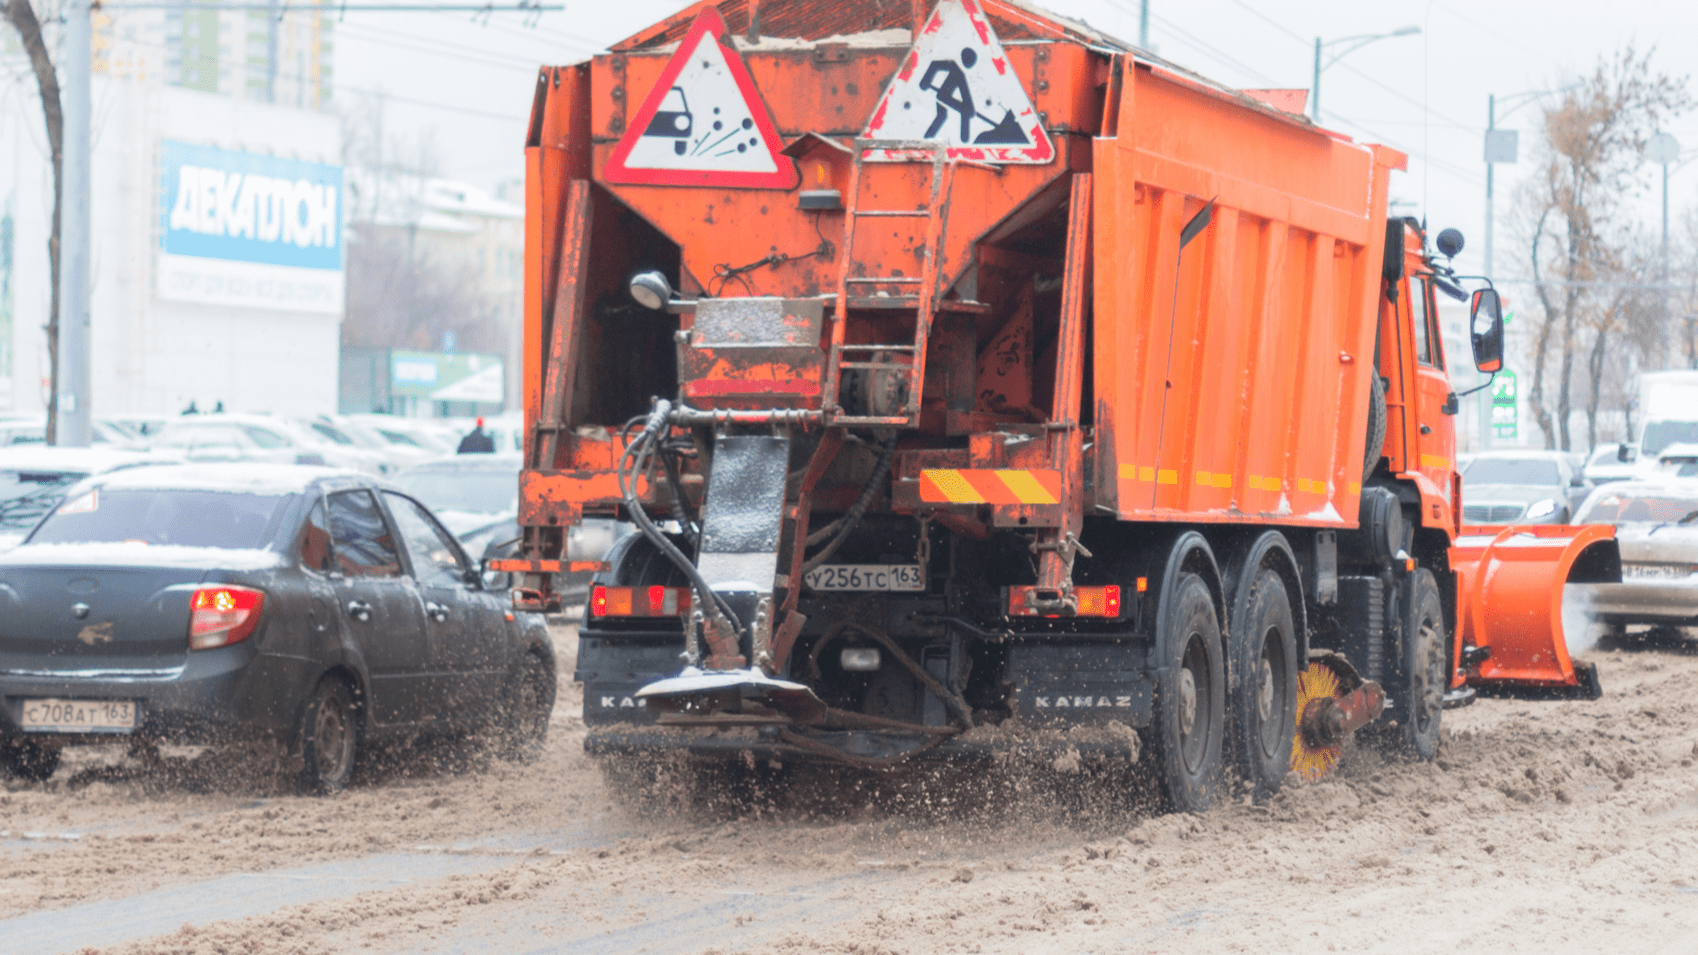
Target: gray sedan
(1521,487)
(316,609)
(1657,527)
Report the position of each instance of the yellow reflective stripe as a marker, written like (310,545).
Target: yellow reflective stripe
(1146,474)
(954,486)
(1167,477)
(1434,461)
(1129,472)
(1026,487)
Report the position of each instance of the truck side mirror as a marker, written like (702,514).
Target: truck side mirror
(1486,320)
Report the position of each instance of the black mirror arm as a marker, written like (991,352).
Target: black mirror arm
(1488,384)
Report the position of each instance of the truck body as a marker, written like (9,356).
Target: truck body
(1018,379)
(1668,412)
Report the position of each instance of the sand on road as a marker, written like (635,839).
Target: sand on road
(1543,827)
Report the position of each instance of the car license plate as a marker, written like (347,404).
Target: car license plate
(889,577)
(79,716)
(1656,571)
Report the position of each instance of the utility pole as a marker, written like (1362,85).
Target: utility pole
(1144,25)
(74,242)
(1315,86)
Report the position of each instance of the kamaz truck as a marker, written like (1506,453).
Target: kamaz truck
(973,376)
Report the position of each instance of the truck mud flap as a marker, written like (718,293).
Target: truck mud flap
(1510,584)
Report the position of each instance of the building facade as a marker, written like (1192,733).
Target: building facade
(218,252)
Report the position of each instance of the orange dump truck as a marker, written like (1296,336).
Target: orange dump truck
(961,366)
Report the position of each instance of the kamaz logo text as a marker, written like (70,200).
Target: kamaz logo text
(1081,702)
(622,703)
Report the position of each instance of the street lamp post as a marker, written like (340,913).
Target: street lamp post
(1356,43)
(1502,145)
(1664,150)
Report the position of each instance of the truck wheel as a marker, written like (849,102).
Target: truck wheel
(329,738)
(28,760)
(1264,698)
(1426,667)
(525,725)
(1190,711)
(1376,439)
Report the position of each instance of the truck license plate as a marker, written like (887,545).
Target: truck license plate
(1656,571)
(889,577)
(79,716)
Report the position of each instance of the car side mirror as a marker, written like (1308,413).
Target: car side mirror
(1485,318)
(1622,453)
(1577,481)
(473,578)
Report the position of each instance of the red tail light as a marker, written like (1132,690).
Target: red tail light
(220,616)
(639,601)
(1093,602)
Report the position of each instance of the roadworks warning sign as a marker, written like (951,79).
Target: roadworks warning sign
(957,87)
(703,123)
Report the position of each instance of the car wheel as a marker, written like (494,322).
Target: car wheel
(28,759)
(525,727)
(329,738)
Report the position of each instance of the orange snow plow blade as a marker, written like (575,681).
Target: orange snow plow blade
(1509,587)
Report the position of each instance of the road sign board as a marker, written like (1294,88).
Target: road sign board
(703,123)
(958,87)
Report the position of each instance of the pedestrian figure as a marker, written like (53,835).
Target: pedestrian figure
(477,441)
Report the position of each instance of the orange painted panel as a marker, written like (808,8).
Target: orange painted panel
(1235,368)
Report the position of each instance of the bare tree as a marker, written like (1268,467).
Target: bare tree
(21,15)
(1592,146)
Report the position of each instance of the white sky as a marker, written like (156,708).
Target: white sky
(1424,94)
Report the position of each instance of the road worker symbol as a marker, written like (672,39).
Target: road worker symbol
(958,87)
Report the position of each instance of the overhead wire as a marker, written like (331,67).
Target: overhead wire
(1228,59)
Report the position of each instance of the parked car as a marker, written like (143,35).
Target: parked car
(319,609)
(477,497)
(34,478)
(1612,462)
(1521,487)
(232,437)
(34,431)
(1657,529)
(404,432)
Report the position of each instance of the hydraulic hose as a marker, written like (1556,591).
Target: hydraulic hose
(845,525)
(637,454)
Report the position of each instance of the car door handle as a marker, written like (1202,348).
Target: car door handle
(437,611)
(359,610)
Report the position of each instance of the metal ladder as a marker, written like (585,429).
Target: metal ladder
(846,356)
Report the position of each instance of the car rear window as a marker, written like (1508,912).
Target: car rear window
(1512,471)
(1637,509)
(221,519)
(25,495)
(479,491)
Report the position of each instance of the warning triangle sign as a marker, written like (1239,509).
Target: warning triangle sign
(703,123)
(958,87)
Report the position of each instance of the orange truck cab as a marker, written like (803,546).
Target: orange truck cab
(962,366)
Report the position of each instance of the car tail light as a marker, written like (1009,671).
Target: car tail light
(220,616)
(639,601)
(1093,602)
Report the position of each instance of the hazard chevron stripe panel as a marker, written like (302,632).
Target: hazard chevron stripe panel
(987,486)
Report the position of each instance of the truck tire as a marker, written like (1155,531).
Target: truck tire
(1376,438)
(1263,701)
(1426,668)
(1190,705)
(329,738)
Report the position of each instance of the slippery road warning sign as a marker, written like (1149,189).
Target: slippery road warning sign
(703,124)
(958,87)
